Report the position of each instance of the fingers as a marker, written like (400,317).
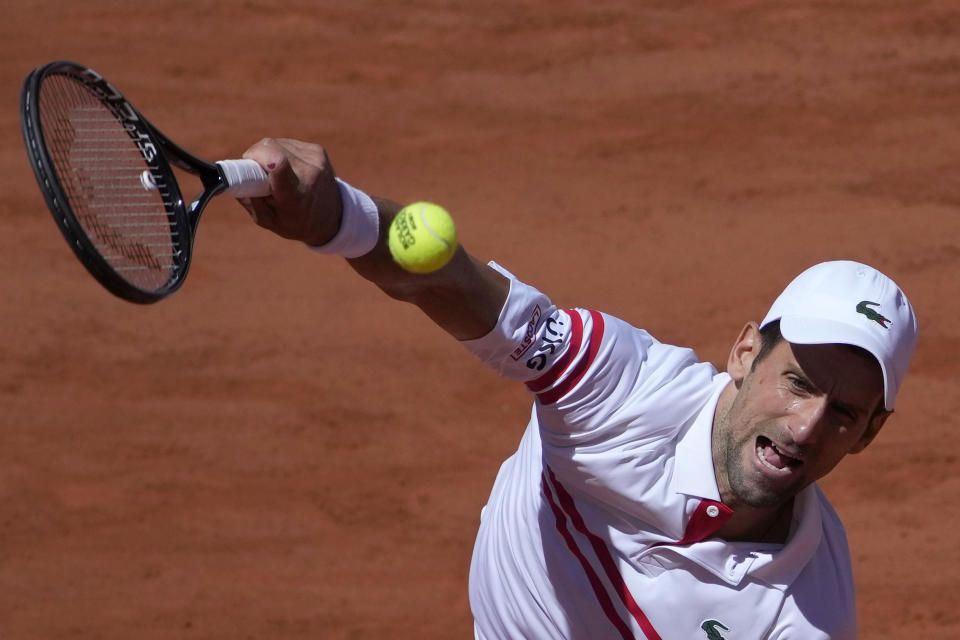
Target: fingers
(277,159)
(262,212)
(268,153)
(304,202)
(309,153)
(271,153)
(275,156)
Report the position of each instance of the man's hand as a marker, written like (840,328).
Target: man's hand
(304,203)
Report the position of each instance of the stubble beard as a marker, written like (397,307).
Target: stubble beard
(747,486)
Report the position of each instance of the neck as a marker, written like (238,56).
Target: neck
(749,524)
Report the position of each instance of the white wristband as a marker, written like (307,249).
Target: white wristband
(359,225)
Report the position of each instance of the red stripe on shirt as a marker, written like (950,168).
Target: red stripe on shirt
(560,366)
(702,525)
(606,558)
(578,370)
(598,589)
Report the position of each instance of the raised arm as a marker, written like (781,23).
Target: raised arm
(464,297)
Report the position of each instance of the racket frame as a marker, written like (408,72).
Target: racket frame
(157,150)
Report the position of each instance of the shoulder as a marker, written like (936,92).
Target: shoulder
(824,595)
(612,378)
(834,545)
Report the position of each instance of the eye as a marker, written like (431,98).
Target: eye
(800,385)
(847,412)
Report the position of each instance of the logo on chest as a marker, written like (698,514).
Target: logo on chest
(710,627)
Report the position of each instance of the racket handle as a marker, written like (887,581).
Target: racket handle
(245,178)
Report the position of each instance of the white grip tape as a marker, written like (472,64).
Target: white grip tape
(245,178)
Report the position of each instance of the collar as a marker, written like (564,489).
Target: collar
(693,464)
(775,564)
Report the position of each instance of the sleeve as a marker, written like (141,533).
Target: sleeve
(587,370)
(525,338)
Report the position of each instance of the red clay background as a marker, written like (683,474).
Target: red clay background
(279,451)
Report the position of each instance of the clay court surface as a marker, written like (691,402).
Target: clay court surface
(278,451)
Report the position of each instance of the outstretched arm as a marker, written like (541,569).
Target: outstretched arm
(464,297)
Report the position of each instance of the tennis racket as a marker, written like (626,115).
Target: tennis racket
(108,178)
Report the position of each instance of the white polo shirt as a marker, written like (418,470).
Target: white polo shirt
(600,525)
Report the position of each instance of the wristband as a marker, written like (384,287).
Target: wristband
(359,225)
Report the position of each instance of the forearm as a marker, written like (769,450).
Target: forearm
(464,297)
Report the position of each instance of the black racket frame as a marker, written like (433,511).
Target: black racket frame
(158,151)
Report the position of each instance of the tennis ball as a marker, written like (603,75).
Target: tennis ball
(422,237)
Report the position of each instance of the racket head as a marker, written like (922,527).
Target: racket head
(89,149)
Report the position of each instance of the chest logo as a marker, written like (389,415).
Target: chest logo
(710,628)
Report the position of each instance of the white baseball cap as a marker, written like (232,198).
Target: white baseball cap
(844,302)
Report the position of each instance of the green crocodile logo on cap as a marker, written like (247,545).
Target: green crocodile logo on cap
(872,314)
(710,627)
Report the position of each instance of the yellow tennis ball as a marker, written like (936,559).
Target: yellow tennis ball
(422,238)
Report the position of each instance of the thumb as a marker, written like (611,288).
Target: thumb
(274,158)
(284,181)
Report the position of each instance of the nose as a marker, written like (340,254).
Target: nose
(806,419)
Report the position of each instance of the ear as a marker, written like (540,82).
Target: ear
(744,351)
(873,428)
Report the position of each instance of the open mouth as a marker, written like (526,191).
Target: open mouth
(773,458)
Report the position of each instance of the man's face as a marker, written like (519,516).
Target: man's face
(794,416)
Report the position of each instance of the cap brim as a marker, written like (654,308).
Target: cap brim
(805,330)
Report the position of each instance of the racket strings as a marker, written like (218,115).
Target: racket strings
(99,164)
